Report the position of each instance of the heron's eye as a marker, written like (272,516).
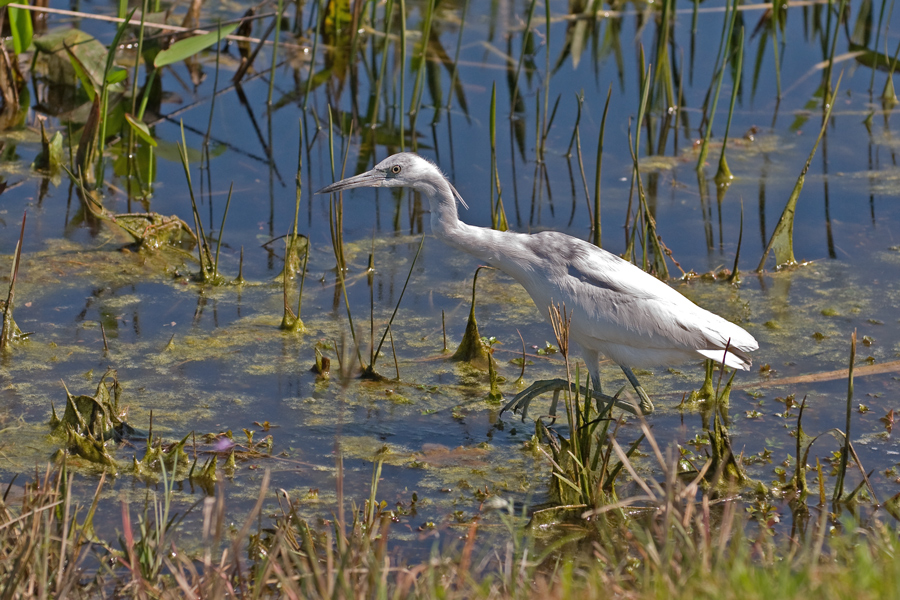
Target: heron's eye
(395,169)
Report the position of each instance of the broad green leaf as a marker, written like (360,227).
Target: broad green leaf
(870,58)
(169,151)
(187,48)
(116,76)
(51,156)
(54,40)
(87,81)
(90,53)
(20,23)
(141,129)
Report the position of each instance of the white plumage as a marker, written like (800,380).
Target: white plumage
(617,309)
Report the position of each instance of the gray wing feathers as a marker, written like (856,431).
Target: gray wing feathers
(622,304)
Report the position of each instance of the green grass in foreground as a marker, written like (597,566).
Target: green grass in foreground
(680,543)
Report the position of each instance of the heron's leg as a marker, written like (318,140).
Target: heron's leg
(524,398)
(646,405)
(553,405)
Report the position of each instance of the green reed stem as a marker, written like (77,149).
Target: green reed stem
(845,454)
(498,213)
(527,32)
(542,132)
(492,129)
(402,73)
(202,243)
(579,101)
(547,72)
(137,66)
(597,236)
(704,146)
(776,19)
(399,300)
(104,95)
(222,231)
(275,53)
(389,13)
(312,60)
(454,76)
(145,97)
(877,41)
(303,279)
(782,240)
(336,218)
(723,175)
(649,237)
(587,193)
(418,84)
(8,332)
(735,277)
(827,96)
(295,232)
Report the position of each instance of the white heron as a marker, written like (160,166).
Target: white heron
(616,309)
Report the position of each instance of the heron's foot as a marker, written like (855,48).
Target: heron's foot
(524,398)
(646,405)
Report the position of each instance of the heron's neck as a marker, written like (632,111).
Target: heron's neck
(483,243)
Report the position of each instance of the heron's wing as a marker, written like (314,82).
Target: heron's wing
(614,301)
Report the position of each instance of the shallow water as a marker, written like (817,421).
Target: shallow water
(209,359)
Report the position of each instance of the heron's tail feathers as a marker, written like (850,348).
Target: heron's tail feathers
(734,358)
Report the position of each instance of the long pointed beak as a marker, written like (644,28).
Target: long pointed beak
(371,178)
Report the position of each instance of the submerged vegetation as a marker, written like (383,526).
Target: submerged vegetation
(228,429)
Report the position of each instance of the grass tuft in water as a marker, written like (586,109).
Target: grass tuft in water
(721,60)
(583,472)
(471,349)
(782,240)
(723,174)
(11,332)
(653,259)
(291,321)
(498,213)
(707,389)
(735,276)
(90,425)
(204,252)
(845,452)
(369,371)
(724,462)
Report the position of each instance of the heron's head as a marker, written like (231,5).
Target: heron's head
(404,169)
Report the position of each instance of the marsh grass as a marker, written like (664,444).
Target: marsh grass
(584,471)
(719,74)
(208,273)
(597,229)
(723,174)
(369,371)
(471,349)
(654,250)
(668,536)
(498,213)
(782,240)
(419,83)
(292,321)
(10,332)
